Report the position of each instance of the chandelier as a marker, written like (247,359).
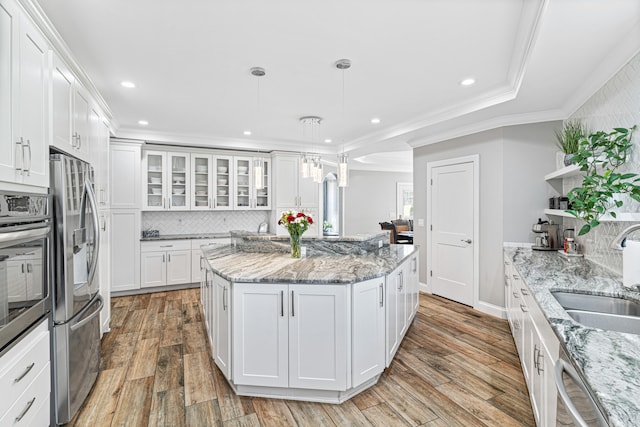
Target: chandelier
(310,163)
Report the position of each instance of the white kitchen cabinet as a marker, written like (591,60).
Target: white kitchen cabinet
(290,335)
(104,268)
(165,180)
(401,304)
(124,164)
(245,194)
(368,330)
(125,249)
(62,85)
(538,347)
(211,185)
(25,380)
(81,121)
(24,104)
(292,192)
(99,142)
(165,262)
(222,325)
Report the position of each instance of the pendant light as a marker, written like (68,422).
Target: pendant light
(258,162)
(310,164)
(343,158)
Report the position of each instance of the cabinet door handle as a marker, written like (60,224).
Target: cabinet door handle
(224,298)
(200,262)
(169,257)
(293,305)
(381,295)
(166,246)
(523,308)
(79,141)
(169,202)
(163,258)
(29,269)
(415,265)
(535,355)
(25,372)
(164,203)
(540,364)
(524,292)
(281,303)
(21,151)
(25,410)
(22,268)
(28,146)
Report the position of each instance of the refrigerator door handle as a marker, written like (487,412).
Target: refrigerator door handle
(89,194)
(83,322)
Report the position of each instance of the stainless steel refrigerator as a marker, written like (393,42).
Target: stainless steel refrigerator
(76,302)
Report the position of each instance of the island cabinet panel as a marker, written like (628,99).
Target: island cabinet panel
(260,334)
(318,328)
(290,335)
(222,325)
(368,333)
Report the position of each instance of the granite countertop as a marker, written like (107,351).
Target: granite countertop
(608,361)
(187,236)
(278,267)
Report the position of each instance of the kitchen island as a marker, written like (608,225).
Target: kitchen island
(321,328)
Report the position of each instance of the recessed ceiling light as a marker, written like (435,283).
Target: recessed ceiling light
(468,82)
(247,132)
(328,140)
(375,120)
(129,85)
(143,122)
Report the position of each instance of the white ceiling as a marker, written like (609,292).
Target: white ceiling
(533,60)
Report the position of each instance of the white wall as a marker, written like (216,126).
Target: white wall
(370,198)
(513,162)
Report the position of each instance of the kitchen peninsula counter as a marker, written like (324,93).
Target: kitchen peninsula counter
(608,361)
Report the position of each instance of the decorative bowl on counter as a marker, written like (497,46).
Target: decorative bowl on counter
(222,169)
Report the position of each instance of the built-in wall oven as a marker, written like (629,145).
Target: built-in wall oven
(25,230)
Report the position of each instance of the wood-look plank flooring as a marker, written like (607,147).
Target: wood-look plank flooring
(455,367)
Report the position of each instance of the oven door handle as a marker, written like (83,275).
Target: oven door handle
(86,320)
(24,234)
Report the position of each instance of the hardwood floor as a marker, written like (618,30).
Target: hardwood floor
(456,367)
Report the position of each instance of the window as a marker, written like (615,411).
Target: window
(331,193)
(404,197)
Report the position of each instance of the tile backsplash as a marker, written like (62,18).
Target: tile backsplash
(616,104)
(203,222)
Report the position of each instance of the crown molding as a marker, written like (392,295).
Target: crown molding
(35,12)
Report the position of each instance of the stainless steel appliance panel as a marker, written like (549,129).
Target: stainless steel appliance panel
(77,236)
(576,407)
(77,359)
(25,231)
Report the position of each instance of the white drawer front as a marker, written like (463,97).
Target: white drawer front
(196,243)
(165,245)
(20,368)
(32,407)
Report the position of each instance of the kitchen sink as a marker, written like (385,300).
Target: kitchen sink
(609,313)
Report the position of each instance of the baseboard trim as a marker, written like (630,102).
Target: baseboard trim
(491,309)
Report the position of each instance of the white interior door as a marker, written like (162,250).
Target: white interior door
(453,217)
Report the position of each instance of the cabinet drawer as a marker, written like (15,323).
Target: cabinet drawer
(165,245)
(22,364)
(196,243)
(32,407)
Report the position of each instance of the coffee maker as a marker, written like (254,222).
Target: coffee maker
(546,236)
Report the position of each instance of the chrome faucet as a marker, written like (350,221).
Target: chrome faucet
(619,242)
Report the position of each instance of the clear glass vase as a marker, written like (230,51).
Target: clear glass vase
(295,245)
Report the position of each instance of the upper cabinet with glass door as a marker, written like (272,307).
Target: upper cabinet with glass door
(246,192)
(165,181)
(211,182)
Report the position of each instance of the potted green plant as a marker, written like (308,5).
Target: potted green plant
(600,155)
(568,139)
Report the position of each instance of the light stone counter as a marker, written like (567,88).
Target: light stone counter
(237,265)
(609,362)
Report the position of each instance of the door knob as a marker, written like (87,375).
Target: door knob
(466,240)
